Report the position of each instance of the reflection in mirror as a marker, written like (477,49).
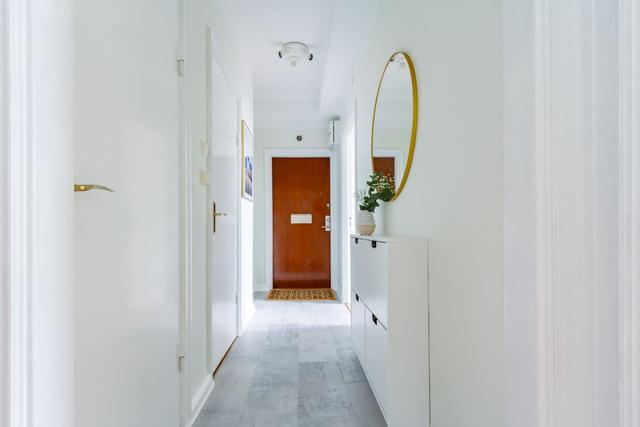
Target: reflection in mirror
(393,132)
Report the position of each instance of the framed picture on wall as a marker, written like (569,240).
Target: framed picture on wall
(247,162)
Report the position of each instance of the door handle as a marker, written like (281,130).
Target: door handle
(215,214)
(89,187)
(327,223)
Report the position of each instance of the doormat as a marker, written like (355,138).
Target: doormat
(302,294)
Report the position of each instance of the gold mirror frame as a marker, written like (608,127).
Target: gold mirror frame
(414,122)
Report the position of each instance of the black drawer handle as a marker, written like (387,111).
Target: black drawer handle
(374,318)
(373,244)
(357,297)
(356,240)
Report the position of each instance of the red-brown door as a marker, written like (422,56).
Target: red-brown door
(301,251)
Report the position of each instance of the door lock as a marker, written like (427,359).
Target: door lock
(327,223)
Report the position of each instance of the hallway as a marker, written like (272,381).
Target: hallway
(463,175)
(295,366)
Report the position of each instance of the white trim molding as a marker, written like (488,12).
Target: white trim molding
(4,229)
(20,210)
(269,154)
(200,398)
(185,171)
(629,160)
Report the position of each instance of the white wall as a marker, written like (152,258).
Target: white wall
(454,193)
(127,242)
(274,139)
(220,16)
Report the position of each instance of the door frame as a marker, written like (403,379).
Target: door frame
(269,154)
(29,204)
(629,208)
(215,54)
(190,408)
(346,200)
(17,220)
(185,215)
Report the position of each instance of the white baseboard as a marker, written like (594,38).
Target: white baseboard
(247,320)
(198,401)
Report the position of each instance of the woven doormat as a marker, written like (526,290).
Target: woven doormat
(302,294)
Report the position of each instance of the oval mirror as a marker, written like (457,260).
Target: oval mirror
(395,121)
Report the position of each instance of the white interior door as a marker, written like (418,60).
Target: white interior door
(127,270)
(223,197)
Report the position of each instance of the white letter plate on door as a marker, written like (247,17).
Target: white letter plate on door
(301,219)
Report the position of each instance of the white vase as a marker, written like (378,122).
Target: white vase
(378,216)
(365,223)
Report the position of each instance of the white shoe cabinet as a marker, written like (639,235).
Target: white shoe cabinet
(390,323)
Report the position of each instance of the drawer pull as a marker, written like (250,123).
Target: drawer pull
(357,297)
(356,241)
(374,318)
(373,244)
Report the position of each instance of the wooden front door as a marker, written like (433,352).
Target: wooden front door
(301,246)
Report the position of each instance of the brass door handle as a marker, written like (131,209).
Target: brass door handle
(214,215)
(88,187)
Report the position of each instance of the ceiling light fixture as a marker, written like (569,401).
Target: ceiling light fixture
(294,52)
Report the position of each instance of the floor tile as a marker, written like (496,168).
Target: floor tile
(324,400)
(328,422)
(365,406)
(317,345)
(351,370)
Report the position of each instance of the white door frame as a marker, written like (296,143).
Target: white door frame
(269,154)
(347,198)
(189,408)
(33,339)
(185,217)
(215,54)
(4,230)
(547,284)
(629,206)
(18,222)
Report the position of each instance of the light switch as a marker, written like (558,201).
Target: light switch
(205,178)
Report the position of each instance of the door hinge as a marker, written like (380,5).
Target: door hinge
(180,63)
(181,363)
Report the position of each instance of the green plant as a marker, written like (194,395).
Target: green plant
(379,187)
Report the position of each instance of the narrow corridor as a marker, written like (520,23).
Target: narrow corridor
(295,366)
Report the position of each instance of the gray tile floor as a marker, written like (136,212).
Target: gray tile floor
(294,366)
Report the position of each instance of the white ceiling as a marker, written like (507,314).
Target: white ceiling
(335,31)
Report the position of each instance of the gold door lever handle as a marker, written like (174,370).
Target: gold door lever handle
(88,187)
(214,215)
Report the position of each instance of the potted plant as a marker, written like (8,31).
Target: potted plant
(379,189)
